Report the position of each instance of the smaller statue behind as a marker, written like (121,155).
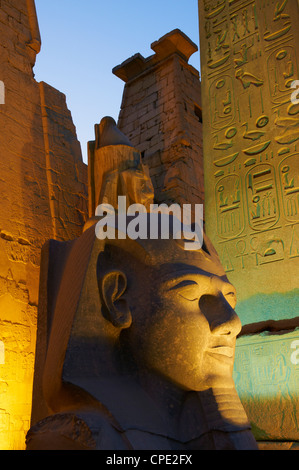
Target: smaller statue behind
(115,169)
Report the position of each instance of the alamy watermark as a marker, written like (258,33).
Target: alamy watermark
(161,221)
(295,94)
(2,93)
(295,354)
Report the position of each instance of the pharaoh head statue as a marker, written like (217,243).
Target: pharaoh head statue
(138,334)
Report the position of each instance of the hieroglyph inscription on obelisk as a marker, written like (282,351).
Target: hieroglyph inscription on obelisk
(249,63)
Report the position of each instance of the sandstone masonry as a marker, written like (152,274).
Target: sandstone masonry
(161,115)
(43,185)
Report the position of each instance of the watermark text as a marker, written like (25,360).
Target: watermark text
(161,221)
(295,94)
(2,93)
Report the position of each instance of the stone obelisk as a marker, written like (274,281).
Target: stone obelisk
(249,68)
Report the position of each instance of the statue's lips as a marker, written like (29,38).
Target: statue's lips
(222,351)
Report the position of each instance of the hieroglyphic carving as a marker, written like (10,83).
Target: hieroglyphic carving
(222,102)
(230,206)
(262,201)
(266,368)
(251,130)
(290,187)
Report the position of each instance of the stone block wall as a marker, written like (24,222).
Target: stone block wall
(43,185)
(161,115)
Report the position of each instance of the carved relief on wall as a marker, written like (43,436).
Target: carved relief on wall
(252,134)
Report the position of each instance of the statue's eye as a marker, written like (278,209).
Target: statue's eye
(231,298)
(189,290)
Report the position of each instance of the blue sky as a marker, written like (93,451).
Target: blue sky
(83,40)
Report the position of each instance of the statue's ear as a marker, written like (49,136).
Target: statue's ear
(116,309)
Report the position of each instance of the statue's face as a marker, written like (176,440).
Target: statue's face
(185,327)
(144,188)
(139,187)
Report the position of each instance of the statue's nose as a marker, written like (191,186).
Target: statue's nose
(220,315)
(222,318)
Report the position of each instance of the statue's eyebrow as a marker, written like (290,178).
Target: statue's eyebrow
(183,283)
(177,281)
(170,280)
